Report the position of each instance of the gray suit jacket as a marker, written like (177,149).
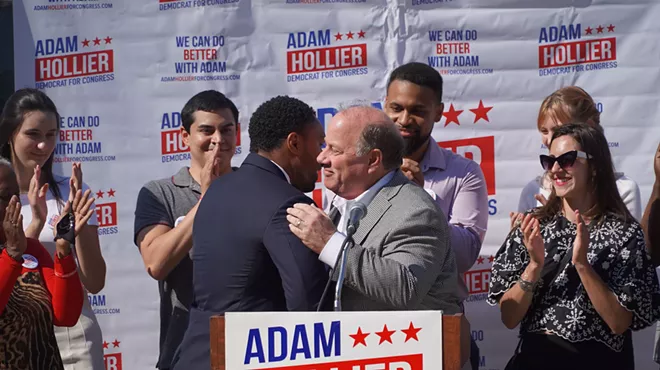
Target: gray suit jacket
(402,258)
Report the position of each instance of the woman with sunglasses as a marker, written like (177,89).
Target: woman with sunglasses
(29,126)
(575,273)
(566,105)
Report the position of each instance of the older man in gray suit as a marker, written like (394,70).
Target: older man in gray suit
(402,258)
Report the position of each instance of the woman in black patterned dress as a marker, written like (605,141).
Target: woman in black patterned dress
(575,273)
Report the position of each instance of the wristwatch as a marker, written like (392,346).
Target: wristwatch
(527,286)
(66,228)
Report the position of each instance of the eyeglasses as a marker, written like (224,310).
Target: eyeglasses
(565,160)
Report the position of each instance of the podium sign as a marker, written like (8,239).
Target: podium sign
(392,340)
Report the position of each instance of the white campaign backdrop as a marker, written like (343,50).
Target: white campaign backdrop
(134,93)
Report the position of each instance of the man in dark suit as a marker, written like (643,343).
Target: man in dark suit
(244,255)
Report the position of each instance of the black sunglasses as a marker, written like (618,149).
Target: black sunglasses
(564,161)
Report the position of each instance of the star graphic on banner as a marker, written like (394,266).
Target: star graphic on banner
(99,194)
(111,193)
(491,259)
(349,35)
(385,335)
(105,345)
(480,260)
(610,28)
(599,29)
(452,115)
(85,43)
(588,30)
(115,344)
(108,40)
(338,36)
(411,332)
(97,41)
(361,34)
(481,112)
(359,337)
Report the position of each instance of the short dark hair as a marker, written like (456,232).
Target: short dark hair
(385,137)
(419,74)
(275,119)
(206,101)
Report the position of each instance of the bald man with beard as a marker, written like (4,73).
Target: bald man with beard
(402,259)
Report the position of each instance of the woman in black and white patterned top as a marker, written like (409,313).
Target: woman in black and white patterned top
(575,273)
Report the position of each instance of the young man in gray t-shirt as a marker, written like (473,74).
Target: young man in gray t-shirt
(166,209)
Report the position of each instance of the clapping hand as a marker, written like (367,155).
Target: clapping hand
(515,218)
(531,230)
(581,243)
(76,180)
(82,210)
(37,197)
(12,225)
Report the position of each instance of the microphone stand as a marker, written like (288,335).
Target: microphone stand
(342,269)
(355,214)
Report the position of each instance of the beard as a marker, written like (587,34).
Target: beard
(413,143)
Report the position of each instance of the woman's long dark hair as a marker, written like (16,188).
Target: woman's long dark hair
(602,181)
(17,106)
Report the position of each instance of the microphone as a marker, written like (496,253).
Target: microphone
(355,214)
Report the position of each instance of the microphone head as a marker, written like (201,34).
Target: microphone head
(357,212)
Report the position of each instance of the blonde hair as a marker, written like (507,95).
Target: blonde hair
(567,105)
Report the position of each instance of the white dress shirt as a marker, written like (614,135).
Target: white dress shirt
(332,248)
(288,179)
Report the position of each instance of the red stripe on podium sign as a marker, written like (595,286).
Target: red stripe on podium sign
(408,362)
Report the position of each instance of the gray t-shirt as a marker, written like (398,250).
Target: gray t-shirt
(166,202)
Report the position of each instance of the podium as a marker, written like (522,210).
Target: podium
(455,340)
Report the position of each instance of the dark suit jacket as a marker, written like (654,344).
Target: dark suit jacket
(245,258)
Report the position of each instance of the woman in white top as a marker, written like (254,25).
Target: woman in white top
(28,133)
(566,105)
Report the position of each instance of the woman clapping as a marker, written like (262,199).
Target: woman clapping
(36,291)
(575,273)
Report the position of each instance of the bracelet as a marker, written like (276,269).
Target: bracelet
(527,286)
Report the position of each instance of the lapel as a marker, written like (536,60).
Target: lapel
(379,205)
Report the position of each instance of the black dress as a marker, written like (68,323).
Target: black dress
(562,329)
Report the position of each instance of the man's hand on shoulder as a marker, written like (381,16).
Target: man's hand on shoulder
(311,225)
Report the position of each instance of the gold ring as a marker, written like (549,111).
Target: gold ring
(298,223)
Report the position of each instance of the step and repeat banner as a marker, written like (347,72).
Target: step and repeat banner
(120,71)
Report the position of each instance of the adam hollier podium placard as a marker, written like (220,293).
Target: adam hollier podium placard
(394,340)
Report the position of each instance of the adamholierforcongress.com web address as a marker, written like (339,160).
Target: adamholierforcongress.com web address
(98,158)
